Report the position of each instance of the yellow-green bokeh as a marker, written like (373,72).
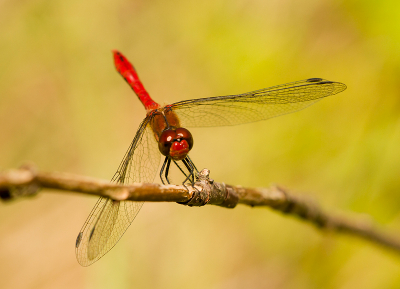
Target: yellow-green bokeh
(64,107)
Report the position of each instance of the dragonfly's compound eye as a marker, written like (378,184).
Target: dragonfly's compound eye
(184,134)
(166,139)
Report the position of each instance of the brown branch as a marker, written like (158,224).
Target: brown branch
(27,181)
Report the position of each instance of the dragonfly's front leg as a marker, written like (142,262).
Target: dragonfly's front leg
(167,170)
(182,171)
(167,161)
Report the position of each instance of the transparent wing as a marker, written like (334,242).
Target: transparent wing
(254,106)
(109,219)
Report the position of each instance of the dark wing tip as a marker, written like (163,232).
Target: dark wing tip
(78,240)
(314,79)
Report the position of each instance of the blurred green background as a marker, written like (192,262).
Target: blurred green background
(64,107)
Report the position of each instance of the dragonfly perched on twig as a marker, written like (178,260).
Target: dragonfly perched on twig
(163,131)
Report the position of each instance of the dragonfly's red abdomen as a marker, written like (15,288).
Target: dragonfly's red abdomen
(128,72)
(175,143)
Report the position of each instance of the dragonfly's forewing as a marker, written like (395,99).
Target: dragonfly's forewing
(109,219)
(256,105)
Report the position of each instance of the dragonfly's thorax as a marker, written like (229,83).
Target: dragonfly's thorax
(163,118)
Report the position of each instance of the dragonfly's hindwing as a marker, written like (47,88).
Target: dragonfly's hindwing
(109,219)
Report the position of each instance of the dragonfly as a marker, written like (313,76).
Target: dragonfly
(164,132)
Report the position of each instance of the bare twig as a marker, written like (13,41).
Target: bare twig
(27,181)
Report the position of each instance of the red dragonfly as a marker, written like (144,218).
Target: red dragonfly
(163,131)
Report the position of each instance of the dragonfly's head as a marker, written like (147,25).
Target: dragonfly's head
(175,143)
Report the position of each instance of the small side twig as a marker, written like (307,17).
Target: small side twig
(27,181)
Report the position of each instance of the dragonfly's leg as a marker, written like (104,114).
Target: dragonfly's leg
(162,169)
(189,165)
(187,176)
(167,169)
(194,169)
(183,172)
(190,172)
(197,171)
(192,163)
